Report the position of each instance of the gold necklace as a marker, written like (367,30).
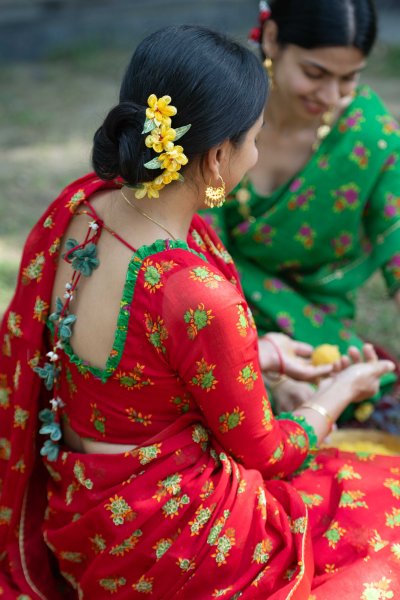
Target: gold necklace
(141,212)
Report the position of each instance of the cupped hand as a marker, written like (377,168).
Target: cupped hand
(295,358)
(358,374)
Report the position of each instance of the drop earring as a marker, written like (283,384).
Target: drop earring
(269,67)
(215,195)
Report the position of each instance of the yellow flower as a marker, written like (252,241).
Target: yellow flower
(160,109)
(160,139)
(168,176)
(173,159)
(150,188)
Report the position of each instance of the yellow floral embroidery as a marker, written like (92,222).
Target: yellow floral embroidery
(138,417)
(5,392)
(347,472)
(248,376)
(334,534)
(197,319)
(34,270)
(377,590)
(352,499)
(204,377)
(243,323)
(394,487)
(231,420)
(376,542)
(14,324)
(40,310)
(75,200)
(21,417)
(120,510)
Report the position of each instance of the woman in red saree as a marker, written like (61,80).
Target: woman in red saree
(164,473)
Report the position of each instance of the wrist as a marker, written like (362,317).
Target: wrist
(335,399)
(277,364)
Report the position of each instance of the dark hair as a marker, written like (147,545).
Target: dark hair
(217,86)
(317,23)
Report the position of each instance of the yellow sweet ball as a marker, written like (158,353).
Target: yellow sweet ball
(326,354)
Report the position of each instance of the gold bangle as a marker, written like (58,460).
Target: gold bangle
(322,411)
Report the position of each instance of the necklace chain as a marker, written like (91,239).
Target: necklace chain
(141,212)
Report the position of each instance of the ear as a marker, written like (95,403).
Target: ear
(269,41)
(216,162)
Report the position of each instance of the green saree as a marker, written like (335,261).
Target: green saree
(303,251)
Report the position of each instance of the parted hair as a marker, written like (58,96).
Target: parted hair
(216,84)
(318,23)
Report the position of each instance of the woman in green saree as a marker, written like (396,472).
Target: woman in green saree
(320,212)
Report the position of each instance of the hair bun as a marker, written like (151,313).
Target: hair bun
(118,143)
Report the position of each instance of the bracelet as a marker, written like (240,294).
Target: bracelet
(322,411)
(279,353)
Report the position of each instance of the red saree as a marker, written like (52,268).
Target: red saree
(209,504)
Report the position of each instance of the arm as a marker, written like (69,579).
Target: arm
(212,346)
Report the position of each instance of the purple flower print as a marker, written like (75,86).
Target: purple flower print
(352,121)
(274,285)
(296,184)
(285,322)
(389,125)
(264,234)
(360,155)
(344,335)
(394,266)
(243,227)
(315,315)
(302,200)
(342,243)
(306,236)
(390,163)
(328,309)
(347,197)
(323,162)
(392,206)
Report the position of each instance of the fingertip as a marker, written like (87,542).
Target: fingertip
(390,365)
(386,366)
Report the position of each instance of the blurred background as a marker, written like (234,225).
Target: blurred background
(61,62)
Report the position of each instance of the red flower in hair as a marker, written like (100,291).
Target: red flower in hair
(255,34)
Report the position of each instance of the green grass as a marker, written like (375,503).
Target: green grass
(49,111)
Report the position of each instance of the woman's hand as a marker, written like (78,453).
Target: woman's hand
(289,394)
(360,375)
(354,383)
(281,354)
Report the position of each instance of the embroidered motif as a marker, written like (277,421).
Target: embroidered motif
(197,319)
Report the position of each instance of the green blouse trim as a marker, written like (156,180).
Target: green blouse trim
(310,432)
(134,267)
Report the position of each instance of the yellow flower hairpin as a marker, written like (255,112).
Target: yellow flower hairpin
(161,137)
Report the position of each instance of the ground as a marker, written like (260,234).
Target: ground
(49,111)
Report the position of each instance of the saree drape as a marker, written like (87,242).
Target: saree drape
(212,502)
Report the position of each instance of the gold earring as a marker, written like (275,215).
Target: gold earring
(269,67)
(215,196)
